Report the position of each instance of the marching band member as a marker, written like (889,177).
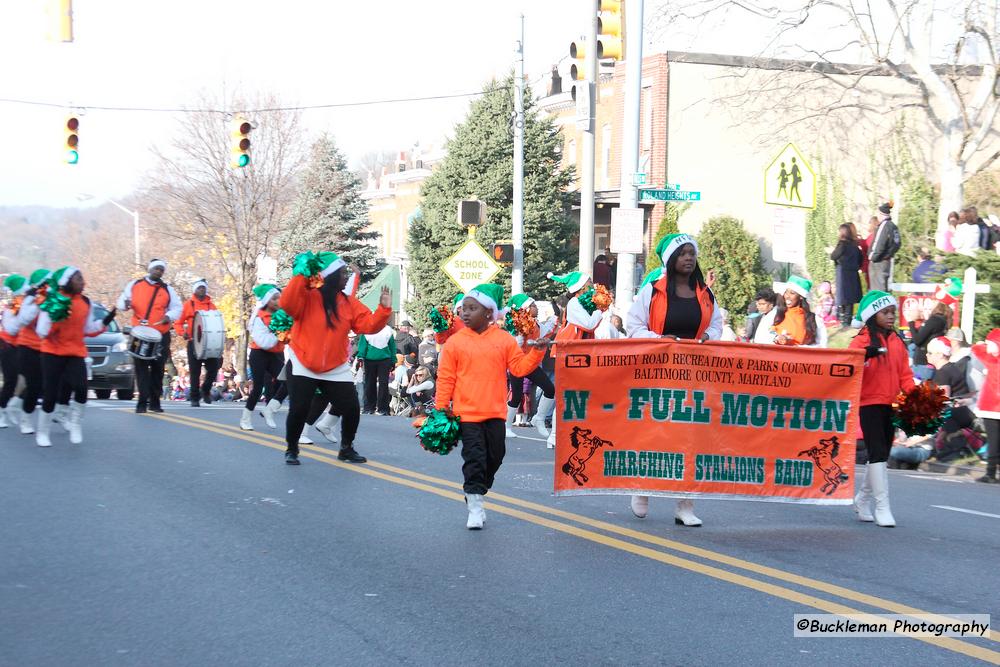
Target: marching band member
(522,303)
(472,385)
(322,317)
(17,285)
(66,318)
(792,322)
(154,304)
(29,347)
(677,305)
(580,324)
(267,356)
(184,327)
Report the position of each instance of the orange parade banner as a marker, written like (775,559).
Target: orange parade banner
(712,420)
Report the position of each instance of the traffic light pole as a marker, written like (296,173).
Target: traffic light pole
(629,195)
(587,166)
(517,272)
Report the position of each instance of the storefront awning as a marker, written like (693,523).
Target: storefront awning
(389,277)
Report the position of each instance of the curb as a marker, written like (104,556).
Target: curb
(950,469)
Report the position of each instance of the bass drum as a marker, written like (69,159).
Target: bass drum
(208,334)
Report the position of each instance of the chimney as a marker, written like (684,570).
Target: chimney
(555,86)
(401,162)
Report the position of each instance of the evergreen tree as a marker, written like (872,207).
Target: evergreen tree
(329,214)
(725,246)
(821,226)
(479,165)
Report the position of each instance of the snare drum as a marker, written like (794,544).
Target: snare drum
(145,343)
(208,334)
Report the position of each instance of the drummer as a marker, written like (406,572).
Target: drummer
(153,304)
(184,327)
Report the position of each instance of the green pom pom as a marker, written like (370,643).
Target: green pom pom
(439,433)
(57,305)
(508,323)
(587,301)
(306,264)
(280,321)
(438,322)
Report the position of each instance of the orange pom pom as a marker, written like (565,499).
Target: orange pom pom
(602,298)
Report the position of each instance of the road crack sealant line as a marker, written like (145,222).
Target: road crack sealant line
(434,485)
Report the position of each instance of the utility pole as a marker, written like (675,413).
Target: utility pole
(625,280)
(517,272)
(587,166)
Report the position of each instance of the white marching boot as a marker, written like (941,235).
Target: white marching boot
(879,475)
(73,424)
(640,506)
(267,412)
(550,443)
(246,420)
(327,425)
(305,439)
(511,414)
(684,514)
(27,428)
(44,422)
(545,408)
(14,411)
(61,416)
(3,418)
(863,499)
(477,515)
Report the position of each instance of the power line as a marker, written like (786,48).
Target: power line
(224,111)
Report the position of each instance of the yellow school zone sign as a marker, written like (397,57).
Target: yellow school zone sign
(789,180)
(470,266)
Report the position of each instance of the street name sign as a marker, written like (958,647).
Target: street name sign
(668,195)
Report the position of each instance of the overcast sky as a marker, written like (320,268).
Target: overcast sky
(141,53)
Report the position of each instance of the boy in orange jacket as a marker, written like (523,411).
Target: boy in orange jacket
(887,372)
(472,384)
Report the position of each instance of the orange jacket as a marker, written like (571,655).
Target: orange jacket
(472,372)
(320,347)
(140,292)
(27,318)
(261,336)
(658,306)
(456,325)
(65,338)
(186,323)
(887,374)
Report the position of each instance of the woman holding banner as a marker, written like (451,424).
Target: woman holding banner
(792,322)
(677,305)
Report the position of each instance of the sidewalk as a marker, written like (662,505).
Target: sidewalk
(973,469)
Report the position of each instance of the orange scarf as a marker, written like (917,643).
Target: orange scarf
(794,325)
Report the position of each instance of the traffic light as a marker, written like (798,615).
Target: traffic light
(611,30)
(240,150)
(577,51)
(503,252)
(72,140)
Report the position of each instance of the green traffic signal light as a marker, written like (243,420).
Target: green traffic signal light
(72,157)
(243,160)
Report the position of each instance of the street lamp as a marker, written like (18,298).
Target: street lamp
(135,222)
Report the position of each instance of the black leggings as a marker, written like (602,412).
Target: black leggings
(264,369)
(8,362)
(198,389)
(30,362)
(483,449)
(149,375)
(377,385)
(61,374)
(878,431)
(301,394)
(537,378)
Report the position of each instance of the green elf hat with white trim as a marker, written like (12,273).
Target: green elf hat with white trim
(652,276)
(489,295)
(871,303)
(264,293)
(15,283)
(456,303)
(329,262)
(61,277)
(671,243)
(38,277)
(799,285)
(574,280)
(520,301)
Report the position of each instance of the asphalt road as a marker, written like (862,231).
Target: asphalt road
(179,540)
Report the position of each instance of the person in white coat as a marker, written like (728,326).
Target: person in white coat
(677,305)
(792,321)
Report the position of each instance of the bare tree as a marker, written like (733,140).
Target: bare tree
(942,57)
(372,163)
(227,217)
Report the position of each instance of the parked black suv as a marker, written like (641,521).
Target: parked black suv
(111,366)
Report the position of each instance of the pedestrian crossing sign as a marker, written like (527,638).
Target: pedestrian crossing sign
(789,180)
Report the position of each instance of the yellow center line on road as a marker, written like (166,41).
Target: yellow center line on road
(375,470)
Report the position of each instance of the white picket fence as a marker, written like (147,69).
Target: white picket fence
(970,288)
